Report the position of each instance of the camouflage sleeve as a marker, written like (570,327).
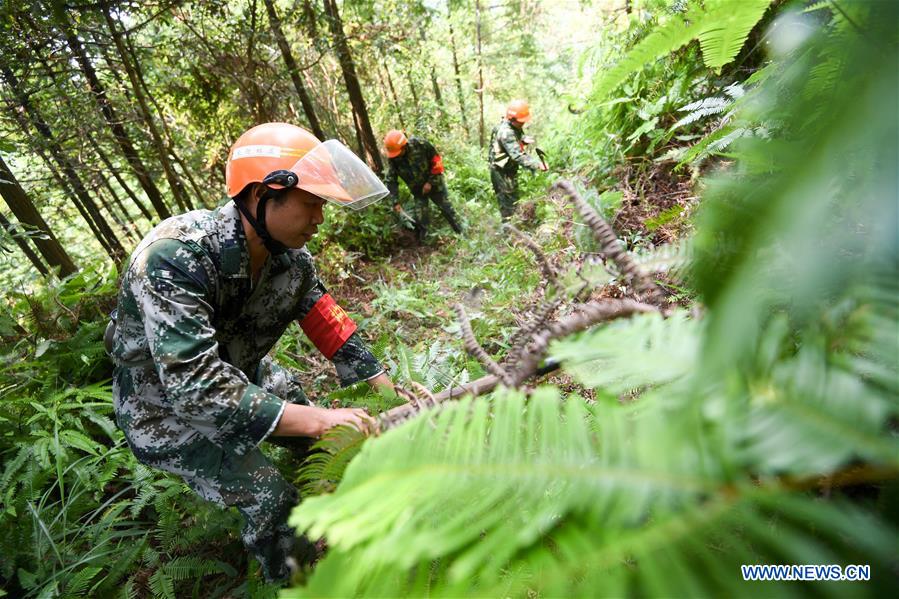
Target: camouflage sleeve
(170,284)
(513,149)
(391,182)
(353,360)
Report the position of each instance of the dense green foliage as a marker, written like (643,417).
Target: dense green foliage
(790,379)
(744,151)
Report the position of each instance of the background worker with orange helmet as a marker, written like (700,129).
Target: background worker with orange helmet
(204,298)
(416,161)
(508,151)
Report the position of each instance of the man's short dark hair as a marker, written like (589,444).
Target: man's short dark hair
(277,195)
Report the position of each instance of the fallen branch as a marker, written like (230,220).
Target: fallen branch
(584,317)
(474,348)
(399,414)
(519,341)
(612,246)
(549,272)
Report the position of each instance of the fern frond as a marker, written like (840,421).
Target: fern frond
(735,91)
(726,26)
(120,567)
(713,143)
(666,38)
(79,582)
(646,350)
(508,497)
(721,26)
(701,109)
(187,567)
(325,466)
(162,585)
(12,467)
(672,259)
(129,591)
(168,526)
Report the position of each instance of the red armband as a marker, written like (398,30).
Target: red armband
(437,165)
(327,325)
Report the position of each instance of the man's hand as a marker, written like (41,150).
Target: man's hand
(426,188)
(543,167)
(397,208)
(310,421)
(356,417)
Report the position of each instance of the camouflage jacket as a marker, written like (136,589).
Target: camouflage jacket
(415,167)
(192,330)
(507,149)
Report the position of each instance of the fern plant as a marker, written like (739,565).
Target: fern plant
(79,515)
(767,439)
(721,26)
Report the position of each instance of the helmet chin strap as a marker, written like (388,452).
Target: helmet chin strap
(273,246)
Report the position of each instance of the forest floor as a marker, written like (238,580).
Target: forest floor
(404,301)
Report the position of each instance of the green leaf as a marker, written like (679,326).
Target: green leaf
(162,585)
(643,351)
(721,26)
(728,25)
(79,441)
(78,583)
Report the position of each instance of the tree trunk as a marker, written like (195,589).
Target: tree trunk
(118,130)
(309,20)
(100,181)
(26,213)
(186,173)
(373,155)
(87,207)
(458,75)
(132,229)
(54,167)
(411,82)
(170,140)
(93,142)
(175,185)
(360,145)
(17,237)
(115,174)
(477,5)
(396,102)
(434,85)
(287,55)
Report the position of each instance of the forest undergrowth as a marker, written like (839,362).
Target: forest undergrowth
(690,327)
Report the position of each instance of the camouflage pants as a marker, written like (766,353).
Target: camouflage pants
(249,482)
(438,195)
(505,185)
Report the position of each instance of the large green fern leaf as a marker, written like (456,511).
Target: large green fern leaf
(516,497)
(721,26)
(726,26)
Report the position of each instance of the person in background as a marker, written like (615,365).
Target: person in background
(508,152)
(417,162)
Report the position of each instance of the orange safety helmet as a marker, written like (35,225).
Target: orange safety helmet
(394,142)
(263,150)
(518,110)
(282,156)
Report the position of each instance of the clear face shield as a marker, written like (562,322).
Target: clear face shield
(332,172)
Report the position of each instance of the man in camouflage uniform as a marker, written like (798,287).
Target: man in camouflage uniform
(205,297)
(507,153)
(416,161)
